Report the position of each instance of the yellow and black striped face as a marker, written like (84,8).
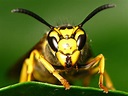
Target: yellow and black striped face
(67,43)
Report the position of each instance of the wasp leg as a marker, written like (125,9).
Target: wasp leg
(23,75)
(29,64)
(93,62)
(109,83)
(51,69)
(27,69)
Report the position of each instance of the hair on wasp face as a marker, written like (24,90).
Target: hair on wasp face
(66,41)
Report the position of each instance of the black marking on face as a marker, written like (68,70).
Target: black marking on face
(68,61)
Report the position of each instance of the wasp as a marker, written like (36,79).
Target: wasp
(64,55)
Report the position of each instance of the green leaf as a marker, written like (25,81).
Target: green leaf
(44,89)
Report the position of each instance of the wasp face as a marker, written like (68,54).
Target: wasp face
(67,43)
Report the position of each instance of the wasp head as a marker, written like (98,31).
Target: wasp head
(67,43)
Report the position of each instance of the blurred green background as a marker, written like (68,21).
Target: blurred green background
(108,32)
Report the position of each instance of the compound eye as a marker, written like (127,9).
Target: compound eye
(81,41)
(53,43)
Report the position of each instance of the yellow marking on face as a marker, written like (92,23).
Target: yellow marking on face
(57,30)
(75,57)
(62,58)
(67,46)
(66,32)
(78,33)
(54,34)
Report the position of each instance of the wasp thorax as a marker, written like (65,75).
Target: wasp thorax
(67,43)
